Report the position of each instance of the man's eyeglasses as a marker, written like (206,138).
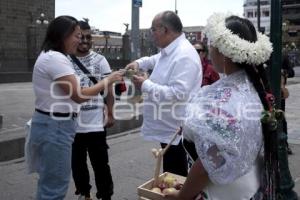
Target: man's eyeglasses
(200,50)
(87,37)
(153,29)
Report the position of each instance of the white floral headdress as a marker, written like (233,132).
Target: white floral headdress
(234,47)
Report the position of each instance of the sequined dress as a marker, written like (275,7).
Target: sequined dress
(223,121)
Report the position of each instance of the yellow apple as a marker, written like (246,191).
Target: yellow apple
(169,191)
(156,190)
(170,180)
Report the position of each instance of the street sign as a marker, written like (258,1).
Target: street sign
(137,3)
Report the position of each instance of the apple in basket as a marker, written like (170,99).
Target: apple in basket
(169,191)
(162,186)
(167,184)
(156,190)
(163,191)
(170,180)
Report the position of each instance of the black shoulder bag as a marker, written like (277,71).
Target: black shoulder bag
(119,87)
(84,69)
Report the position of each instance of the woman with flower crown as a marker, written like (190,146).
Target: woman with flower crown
(232,148)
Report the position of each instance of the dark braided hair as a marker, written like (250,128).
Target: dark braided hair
(257,75)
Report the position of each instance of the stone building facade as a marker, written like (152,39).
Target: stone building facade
(250,12)
(21,36)
(290,18)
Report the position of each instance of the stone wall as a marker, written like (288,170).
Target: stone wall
(20,35)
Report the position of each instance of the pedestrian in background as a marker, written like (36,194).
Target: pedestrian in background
(209,74)
(92,123)
(176,74)
(58,95)
(232,143)
(287,71)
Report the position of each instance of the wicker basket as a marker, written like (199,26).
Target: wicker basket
(145,193)
(144,190)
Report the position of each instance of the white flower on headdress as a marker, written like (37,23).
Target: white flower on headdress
(234,47)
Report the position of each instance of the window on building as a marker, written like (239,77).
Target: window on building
(250,14)
(264,3)
(266,13)
(293,33)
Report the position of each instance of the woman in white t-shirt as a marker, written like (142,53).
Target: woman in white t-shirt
(58,95)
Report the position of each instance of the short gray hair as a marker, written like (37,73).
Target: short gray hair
(171,21)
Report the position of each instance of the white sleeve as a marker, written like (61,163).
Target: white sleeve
(227,143)
(58,65)
(184,77)
(105,68)
(148,63)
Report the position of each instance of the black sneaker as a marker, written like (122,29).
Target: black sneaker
(102,198)
(85,197)
(106,197)
(77,192)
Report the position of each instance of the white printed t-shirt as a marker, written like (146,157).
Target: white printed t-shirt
(91,117)
(50,66)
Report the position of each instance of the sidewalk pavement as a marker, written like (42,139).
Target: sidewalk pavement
(17,107)
(293,122)
(130,157)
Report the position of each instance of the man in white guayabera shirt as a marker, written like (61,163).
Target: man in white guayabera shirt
(176,74)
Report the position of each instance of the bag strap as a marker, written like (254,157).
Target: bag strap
(84,69)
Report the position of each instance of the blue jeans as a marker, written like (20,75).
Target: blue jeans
(52,139)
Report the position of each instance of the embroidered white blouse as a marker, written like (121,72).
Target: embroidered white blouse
(223,120)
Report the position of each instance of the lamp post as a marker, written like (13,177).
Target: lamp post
(42,19)
(41,24)
(176,11)
(34,37)
(258,15)
(286,184)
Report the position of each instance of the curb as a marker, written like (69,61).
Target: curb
(1,121)
(109,137)
(13,148)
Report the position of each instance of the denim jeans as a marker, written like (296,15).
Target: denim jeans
(52,140)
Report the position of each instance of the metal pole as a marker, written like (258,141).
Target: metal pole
(286,183)
(135,32)
(258,15)
(176,11)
